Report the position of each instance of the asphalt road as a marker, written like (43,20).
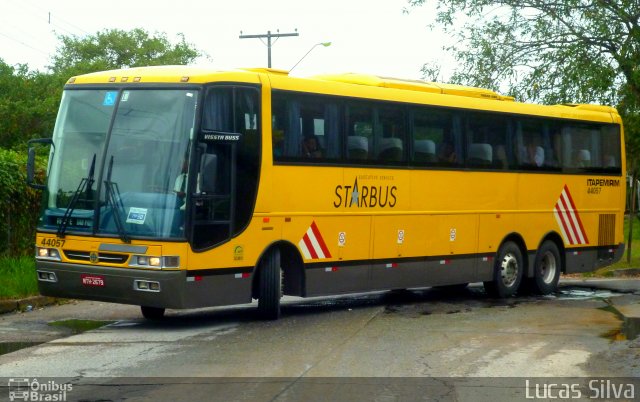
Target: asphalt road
(407,345)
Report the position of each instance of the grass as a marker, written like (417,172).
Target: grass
(635,251)
(18,277)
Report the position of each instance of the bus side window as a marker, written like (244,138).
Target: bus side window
(305,128)
(360,132)
(390,135)
(531,153)
(580,146)
(486,140)
(610,140)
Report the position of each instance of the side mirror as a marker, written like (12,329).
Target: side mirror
(31,162)
(208,173)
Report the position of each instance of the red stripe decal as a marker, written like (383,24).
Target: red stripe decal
(323,246)
(567,214)
(564,224)
(575,211)
(312,250)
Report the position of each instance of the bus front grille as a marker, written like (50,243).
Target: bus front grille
(85,256)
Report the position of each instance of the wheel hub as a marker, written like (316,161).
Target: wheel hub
(548,267)
(509,270)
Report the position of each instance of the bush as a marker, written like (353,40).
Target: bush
(18,278)
(19,205)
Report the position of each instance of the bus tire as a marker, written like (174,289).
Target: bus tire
(270,286)
(546,269)
(507,272)
(152,313)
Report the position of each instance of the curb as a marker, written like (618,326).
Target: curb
(10,306)
(626,272)
(631,311)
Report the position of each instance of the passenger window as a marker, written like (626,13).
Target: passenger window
(610,149)
(488,146)
(360,133)
(433,139)
(305,128)
(591,147)
(530,145)
(390,136)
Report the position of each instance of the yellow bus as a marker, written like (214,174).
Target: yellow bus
(178,187)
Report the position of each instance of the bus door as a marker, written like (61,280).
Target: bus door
(228,162)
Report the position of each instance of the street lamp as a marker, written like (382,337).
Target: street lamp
(325,44)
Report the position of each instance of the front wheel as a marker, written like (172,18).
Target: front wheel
(270,285)
(152,313)
(507,272)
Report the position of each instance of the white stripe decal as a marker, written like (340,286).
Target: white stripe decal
(314,242)
(564,234)
(568,219)
(312,245)
(304,249)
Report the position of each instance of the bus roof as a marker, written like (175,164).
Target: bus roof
(415,85)
(353,85)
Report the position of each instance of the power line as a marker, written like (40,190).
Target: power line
(24,44)
(68,23)
(47,16)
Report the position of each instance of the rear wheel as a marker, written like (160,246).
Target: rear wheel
(507,272)
(546,270)
(270,286)
(152,313)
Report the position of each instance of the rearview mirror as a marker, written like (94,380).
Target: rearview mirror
(31,162)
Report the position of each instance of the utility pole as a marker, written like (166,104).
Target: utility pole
(269,35)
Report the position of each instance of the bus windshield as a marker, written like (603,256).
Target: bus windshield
(119,163)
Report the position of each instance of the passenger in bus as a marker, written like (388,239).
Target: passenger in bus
(500,157)
(447,153)
(311,147)
(180,184)
(582,158)
(278,142)
(609,161)
(536,155)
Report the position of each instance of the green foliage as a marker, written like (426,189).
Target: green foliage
(18,277)
(28,105)
(113,49)
(19,205)
(571,51)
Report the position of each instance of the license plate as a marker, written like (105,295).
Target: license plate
(92,280)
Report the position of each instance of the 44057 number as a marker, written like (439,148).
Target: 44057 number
(50,242)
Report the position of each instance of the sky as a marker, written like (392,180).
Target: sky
(367,36)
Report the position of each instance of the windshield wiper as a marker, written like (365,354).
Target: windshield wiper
(86,184)
(112,197)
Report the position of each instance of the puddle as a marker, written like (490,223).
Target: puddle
(582,294)
(79,326)
(8,347)
(629,330)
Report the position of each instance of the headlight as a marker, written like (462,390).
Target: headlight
(46,253)
(145,261)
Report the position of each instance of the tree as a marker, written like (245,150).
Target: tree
(28,104)
(113,49)
(549,51)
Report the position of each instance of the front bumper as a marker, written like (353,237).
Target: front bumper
(177,289)
(117,284)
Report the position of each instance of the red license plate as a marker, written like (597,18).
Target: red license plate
(92,280)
